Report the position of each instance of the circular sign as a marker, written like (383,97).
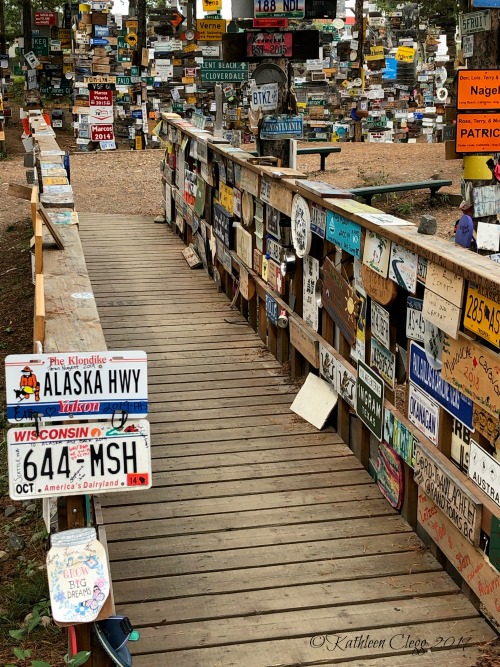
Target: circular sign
(301,226)
(247,209)
(441,94)
(338,23)
(440,75)
(357,82)
(353,56)
(189,34)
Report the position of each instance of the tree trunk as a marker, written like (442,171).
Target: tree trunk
(3,43)
(132,8)
(141,30)
(27,17)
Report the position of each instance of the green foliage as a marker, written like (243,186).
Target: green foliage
(433,11)
(14,12)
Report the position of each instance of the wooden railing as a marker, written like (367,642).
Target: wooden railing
(438,497)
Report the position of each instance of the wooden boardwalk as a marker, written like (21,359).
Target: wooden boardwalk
(263,542)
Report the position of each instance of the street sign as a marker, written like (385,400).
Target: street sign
(78,459)
(478,133)
(213,71)
(478,90)
(475,22)
(131,39)
(281,127)
(70,385)
(102,133)
(370,399)
(210,30)
(292,9)
(100,98)
(99,41)
(40,46)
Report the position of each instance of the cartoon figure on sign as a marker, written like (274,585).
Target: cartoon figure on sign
(28,384)
(97,598)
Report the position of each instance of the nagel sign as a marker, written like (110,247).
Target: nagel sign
(478,89)
(478,133)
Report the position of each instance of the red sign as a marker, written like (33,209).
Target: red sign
(101,98)
(276,44)
(45,18)
(270,23)
(102,133)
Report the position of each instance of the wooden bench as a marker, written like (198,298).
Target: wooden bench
(322,151)
(369,192)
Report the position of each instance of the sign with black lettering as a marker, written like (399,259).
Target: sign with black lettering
(77,459)
(223,226)
(85,385)
(370,400)
(459,504)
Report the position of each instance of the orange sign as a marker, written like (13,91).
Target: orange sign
(478,133)
(478,89)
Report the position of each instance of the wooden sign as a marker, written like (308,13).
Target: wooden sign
(443,299)
(485,424)
(237,202)
(482,313)
(244,245)
(470,562)
(376,253)
(403,267)
(433,472)
(249,182)
(474,370)
(340,301)
(381,289)
(281,198)
(304,341)
(484,471)
(445,283)
(247,284)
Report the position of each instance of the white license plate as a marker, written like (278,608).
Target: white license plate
(78,459)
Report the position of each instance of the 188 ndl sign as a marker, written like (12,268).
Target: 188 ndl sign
(76,385)
(76,459)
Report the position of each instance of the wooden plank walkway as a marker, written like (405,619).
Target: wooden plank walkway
(263,542)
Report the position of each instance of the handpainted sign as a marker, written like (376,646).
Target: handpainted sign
(403,267)
(343,233)
(486,424)
(415,323)
(292,9)
(429,379)
(340,301)
(441,313)
(210,30)
(78,576)
(477,133)
(66,386)
(484,471)
(271,309)
(478,90)
(440,483)
(475,22)
(381,289)
(474,370)
(376,253)
(264,97)
(470,562)
(482,313)
(102,133)
(383,362)
(370,400)
(309,301)
(423,412)
(269,44)
(84,458)
(380,324)
(213,71)
(281,127)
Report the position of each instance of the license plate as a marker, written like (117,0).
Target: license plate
(482,313)
(78,459)
(415,323)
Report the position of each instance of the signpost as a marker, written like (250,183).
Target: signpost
(66,386)
(84,458)
(213,71)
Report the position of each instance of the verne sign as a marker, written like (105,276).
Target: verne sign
(84,458)
(477,133)
(66,386)
(217,70)
(429,379)
(281,127)
(459,504)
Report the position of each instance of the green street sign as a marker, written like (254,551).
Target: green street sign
(213,71)
(370,399)
(40,46)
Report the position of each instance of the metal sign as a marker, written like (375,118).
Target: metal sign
(475,22)
(66,386)
(482,313)
(477,133)
(423,412)
(292,9)
(484,471)
(478,90)
(131,39)
(101,115)
(281,127)
(102,133)
(210,30)
(213,71)
(264,97)
(269,45)
(31,59)
(343,233)
(270,23)
(415,323)
(40,46)
(271,309)
(45,18)
(468,46)
(370,399)
(429,379)
(78,459)
(101,98)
